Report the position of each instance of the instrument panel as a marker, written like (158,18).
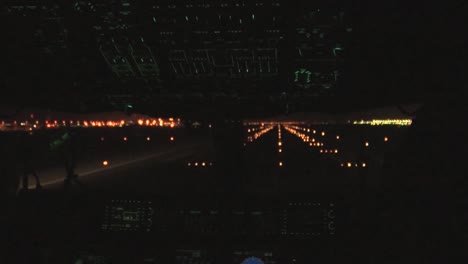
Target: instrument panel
(184,231)
(293,219)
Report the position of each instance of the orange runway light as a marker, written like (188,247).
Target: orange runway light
(105,163)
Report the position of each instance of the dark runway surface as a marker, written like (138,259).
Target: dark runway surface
(189,165)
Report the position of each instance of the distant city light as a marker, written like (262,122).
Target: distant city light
(366,144)
(349,164)
(383,122)
(105,163)
(385,139)
(125,138)
(172,138)
(280,164)
(148,138)
(337,137)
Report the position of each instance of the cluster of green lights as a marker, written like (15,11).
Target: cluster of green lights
(302,72)
(58,142)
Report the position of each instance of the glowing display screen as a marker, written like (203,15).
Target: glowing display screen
(252,260)
(128,215)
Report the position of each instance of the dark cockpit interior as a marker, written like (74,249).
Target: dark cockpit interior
(233,131)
